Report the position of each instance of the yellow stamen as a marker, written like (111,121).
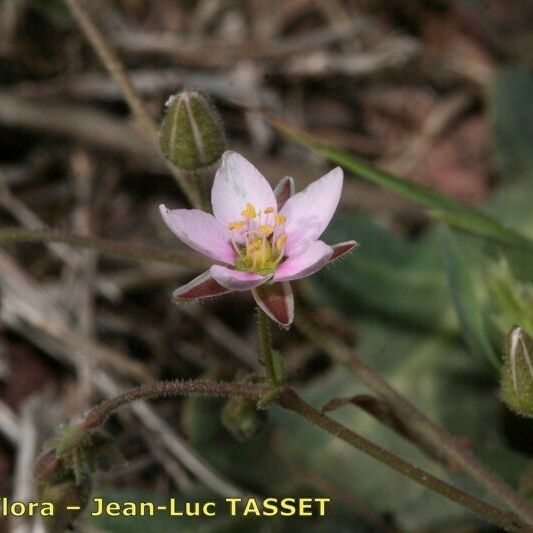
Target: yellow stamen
(259,252)
(249,211)
(264,229)
(236,225)
(235,247)
(280,242)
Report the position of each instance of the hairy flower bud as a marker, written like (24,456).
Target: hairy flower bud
(69,498)
(64,471)
(517,372)
(242,419)
(192,133)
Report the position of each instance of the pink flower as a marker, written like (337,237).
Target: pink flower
(265,238)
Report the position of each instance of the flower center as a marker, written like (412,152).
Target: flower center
(258,239)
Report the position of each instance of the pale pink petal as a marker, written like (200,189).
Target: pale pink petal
(201,231)
(235,280)
(283,191)
(238,182)
(309,212)
(277,301)
(341,249)
(304,264)
(203,286)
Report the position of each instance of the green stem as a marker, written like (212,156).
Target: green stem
(198,178)
(291,401)
(266,348)
(97,416)
(423,428)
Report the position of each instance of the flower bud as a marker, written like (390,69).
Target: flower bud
(517,372)
(242,419)
(69,499)
(192,133)
(64,471)
(58,484)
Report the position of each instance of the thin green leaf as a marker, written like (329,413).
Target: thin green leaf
(485,227)
(465,299)
(457,214)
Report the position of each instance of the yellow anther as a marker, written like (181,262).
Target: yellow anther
(280,242)
(280,219)
(269,210)
(249,211)
(264,229)
(236,225)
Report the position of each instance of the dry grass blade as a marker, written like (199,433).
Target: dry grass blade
(9,424)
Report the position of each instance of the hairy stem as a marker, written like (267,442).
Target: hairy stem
(199,177)
(116,69)
(266,348)
(419,424)
(164,389)
(126,251)
(290,400)
(423,427)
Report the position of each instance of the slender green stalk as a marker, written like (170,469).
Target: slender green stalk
(435,436)
(116,69)
(266,348)
(290,400)
(125,251)
(165,389)
(418,423)
(199,178)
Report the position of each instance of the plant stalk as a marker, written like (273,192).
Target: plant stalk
(266,348)
(198,178)
(291,401)
(420,425)
(416,420)
(165,389)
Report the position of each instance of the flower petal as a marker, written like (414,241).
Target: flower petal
(238,182)
(277,301)
(304,264)
(200,231)
(235,280)
(283,191)
(341,249)
(309,212)
(203,286)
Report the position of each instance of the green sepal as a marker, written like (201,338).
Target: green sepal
(517,372)
(242,419)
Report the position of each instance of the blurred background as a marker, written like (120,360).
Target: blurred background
(436,91)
